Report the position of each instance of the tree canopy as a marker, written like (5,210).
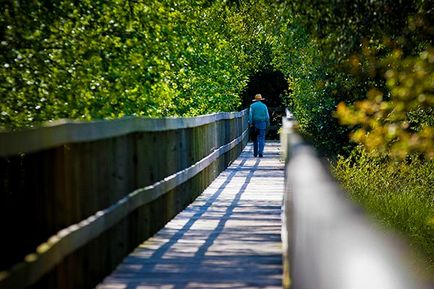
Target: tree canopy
(358,68)
(108,59)
(368,63)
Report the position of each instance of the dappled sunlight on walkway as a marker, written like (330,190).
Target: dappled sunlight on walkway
(228,238)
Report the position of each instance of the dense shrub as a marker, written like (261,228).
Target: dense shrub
(108,59)
(343,52)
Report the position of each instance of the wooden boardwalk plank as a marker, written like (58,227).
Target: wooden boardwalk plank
(228,238)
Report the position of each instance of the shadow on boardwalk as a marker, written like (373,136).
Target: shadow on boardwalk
(228,238)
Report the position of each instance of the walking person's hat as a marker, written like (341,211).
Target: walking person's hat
(258,97)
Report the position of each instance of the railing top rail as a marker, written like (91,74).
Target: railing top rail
(69,131)
(331,243)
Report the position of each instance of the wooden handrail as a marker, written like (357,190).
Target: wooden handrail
(69,131)
(96,179)
(328,243)
(75,236)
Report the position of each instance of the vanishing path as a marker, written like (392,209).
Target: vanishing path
(228,238)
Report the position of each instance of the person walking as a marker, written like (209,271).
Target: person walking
(259,118)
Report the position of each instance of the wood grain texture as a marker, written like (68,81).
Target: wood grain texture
(78,197)
(228,238)
(75,236)
(68,131)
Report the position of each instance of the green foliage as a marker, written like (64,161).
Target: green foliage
(399,194)
(314,87)
(331,51)
(108,59)
(401,122)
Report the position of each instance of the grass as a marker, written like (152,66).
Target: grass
(398,194)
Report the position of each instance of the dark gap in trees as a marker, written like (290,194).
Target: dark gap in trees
(273,87)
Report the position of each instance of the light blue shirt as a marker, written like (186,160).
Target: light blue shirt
(258,112)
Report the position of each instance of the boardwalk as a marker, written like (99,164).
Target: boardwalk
(228,238)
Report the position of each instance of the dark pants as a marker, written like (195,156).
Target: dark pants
(259,142)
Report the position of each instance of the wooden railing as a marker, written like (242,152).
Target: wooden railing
(76,197)
(328,242)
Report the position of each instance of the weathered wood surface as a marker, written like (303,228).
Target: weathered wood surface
(66,131)
(80,207)
(228,238)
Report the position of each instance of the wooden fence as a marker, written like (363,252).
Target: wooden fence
(76,197)
(328,242)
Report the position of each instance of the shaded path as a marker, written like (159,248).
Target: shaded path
(228,238)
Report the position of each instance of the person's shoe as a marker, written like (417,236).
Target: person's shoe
(260,155)
(255,155)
